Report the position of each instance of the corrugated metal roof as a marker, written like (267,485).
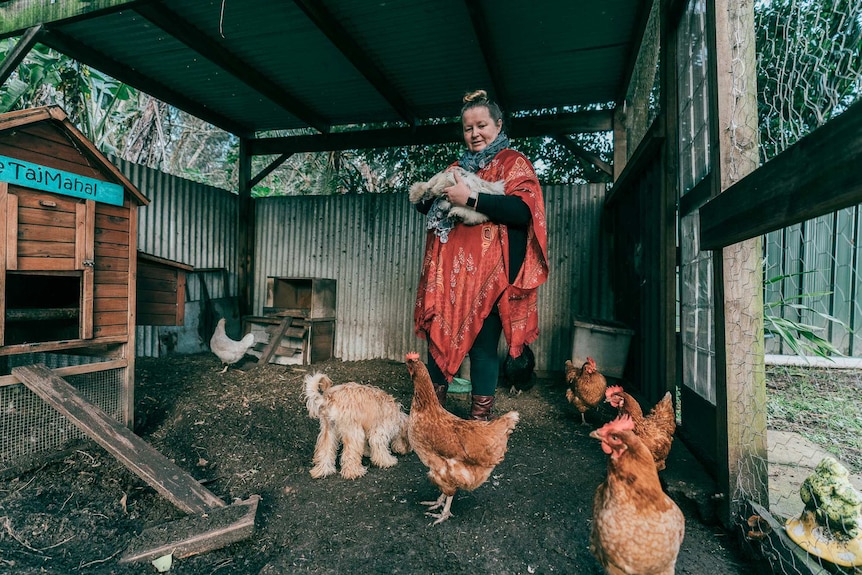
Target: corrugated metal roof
(256,65)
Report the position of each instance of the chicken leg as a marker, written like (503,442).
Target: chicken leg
(443,515)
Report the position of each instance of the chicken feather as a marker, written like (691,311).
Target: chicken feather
(459,453)
(656,429)
(228,350)
(637,529)
(586,386)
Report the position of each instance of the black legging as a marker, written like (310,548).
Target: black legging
(484,363)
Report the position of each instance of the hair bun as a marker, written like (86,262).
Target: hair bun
(475,95)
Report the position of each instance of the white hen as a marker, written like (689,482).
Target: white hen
(229,351)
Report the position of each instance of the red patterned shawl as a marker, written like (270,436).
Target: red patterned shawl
(463,278)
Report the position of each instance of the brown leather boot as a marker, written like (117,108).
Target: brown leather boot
(440,391)
(481,408)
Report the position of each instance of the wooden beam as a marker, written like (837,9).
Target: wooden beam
(158,471)
(740,390)
(521,127)
(489,52)
(85,55)
(245,232)
(586,155)
(640,160)
(6,380)
(268,170)
(357,56)
(817,175)
(19,52)
(16,17)
(184,31)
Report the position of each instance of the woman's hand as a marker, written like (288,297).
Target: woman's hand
(457,194)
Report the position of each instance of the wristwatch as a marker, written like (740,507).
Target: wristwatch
(471,201)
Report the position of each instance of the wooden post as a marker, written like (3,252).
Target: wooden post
(741,401)
(245,232)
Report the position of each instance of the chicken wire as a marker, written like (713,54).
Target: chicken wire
(31,429)
(809,71)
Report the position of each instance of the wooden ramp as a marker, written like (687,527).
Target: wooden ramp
(158,471)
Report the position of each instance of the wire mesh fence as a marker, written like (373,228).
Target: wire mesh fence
(809,69)
(30,428)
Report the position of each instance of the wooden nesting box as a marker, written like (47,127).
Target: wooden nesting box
(161,286)
(298,325)
(68,221)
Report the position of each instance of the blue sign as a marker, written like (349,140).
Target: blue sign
(48,179)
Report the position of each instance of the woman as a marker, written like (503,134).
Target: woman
(480,281)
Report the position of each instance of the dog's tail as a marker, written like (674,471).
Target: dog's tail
(315,385)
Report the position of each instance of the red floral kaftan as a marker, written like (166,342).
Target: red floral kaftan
(463,278)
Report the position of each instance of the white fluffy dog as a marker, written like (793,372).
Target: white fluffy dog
(364,418)
(434,188)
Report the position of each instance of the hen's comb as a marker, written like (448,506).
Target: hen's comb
(622,423)
(613,389)
(591,361)
(412,356)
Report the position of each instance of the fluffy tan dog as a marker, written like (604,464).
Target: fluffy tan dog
(434,188)
(364,418)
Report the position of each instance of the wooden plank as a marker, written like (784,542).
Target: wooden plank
(46,264)
(817,175)
(11,234)
(740,373)
(195,534)
(48,217)
(109,236)
(110,304)
(72,370)
(158,471)
(86,236)
(106,250)
(110,291)
(40,249)
(119,336)
(109,278)
(45,232)
(112,264)
(40,200)
(110,318)
(106,221)
(53,313)
(275,340)
(110,331)
(147,283)
(151,308)
(156,297)
(5,249)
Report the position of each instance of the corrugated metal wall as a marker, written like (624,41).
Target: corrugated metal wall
(189,223)
(816,265)
(372,245)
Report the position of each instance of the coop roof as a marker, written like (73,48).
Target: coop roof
(322,67)
(56,117)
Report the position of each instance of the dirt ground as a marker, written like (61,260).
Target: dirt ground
(247,432)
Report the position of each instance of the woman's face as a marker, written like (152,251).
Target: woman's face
(479,128)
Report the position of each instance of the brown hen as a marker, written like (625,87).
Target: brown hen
(459,453)
(655,429)
(637,529)
(586,386)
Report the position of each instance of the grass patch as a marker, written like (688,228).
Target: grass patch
(822,405)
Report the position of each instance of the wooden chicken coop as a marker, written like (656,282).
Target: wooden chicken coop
(68,219)
(298,321)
